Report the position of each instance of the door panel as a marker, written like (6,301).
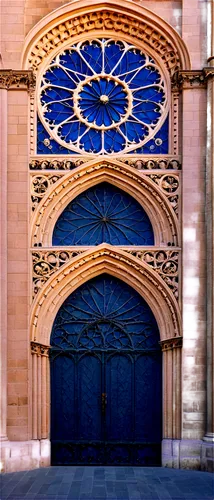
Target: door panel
(148,398)
(119,398)
(89,382)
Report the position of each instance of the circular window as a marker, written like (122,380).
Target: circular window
(102,97)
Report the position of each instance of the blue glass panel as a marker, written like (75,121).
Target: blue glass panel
(158,145)
(89,397)
(102,96)
(105,313)
(119,402)
(103,213)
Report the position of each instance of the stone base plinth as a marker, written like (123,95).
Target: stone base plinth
(24,455)
(207,453)
(188,454)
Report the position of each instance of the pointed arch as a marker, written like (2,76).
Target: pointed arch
(127,19)
(162,217)
(116,262)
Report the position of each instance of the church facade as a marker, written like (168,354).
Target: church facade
(107,157)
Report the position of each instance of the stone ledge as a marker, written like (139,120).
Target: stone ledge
(188,454)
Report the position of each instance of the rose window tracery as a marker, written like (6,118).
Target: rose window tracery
(103,96)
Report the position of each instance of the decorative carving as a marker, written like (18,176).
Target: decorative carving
(119,168)
(56,164)
(119,23)
(173,343)
(189,79)
(17,79)
(175,121)
(169,184)
(164,262)
(153,164)
(46,263)
(39,185)
(114,254)
(209,71)
(39,349)
(172,163)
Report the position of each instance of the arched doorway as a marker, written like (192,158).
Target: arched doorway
(106,384)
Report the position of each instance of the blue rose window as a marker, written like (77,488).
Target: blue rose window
(101,214)
(102,97)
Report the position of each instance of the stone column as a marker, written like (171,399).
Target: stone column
(208,446)
(3,265)
(41,401)
(171,349)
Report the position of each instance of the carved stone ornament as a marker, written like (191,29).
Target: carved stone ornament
(168,163)
(163,262)
(17,79)
(103,20)
(39,349)
(169,344)
(47,212)
(39,186)
(209,71)
(189,79)
(169,184)
(102,253)
(45,263)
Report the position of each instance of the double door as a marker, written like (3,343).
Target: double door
(106,407)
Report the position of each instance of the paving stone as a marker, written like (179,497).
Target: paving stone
(99,483)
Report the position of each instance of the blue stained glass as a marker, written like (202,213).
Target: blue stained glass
(105,313)
(103,213)
(103,97)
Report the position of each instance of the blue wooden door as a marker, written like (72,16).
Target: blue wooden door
(105,378)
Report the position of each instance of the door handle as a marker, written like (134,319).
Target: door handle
(104,402)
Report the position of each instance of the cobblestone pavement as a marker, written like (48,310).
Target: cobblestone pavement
(116,483)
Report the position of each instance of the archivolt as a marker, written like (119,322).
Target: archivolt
(104,259)
(124,19)
(145,191)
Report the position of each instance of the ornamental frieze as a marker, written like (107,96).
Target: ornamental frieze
(163,163)
(17,79)
(164,262)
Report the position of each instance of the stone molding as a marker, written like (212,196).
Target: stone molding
(168,183)
(81,20)
(159,208)
(140,163)
(17,79)
(173,343)
(164,262)
(104,258)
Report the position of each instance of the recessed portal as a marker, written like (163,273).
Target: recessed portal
(105,377)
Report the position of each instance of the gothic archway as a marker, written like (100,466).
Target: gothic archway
(106,378)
